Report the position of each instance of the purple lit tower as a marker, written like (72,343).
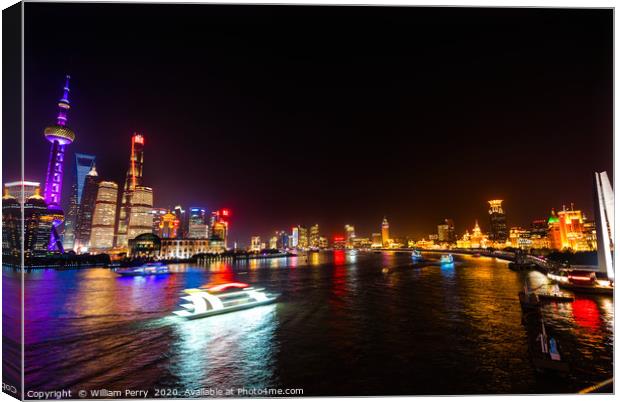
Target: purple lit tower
(59,135)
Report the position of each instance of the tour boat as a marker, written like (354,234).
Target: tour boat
(582,281)
(447,259)
(416,255)
(150,268)
(220,299)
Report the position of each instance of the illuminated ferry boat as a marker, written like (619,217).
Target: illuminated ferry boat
(416,255)
(150,268)
(221,299)
(581,281)
(446,259)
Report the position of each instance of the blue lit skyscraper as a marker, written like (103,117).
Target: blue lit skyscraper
(83,165)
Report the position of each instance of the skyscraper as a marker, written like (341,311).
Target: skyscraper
(83,165)
(446,232)
(498,230)
(59,135)
(132,180)
(140,216)
(183,222)
(604,218)
(385,232)
(104,217)
(219,226)
(314,236)
(198,227)
(158,214)
(255,244)
(303,237)
(84,221)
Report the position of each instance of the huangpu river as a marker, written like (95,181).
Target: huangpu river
(343,325)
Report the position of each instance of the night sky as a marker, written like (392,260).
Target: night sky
(332,115)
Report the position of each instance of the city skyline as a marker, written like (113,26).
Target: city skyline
(276,185)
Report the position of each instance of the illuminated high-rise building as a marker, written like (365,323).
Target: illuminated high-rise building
(323,242)
(303,237)
(604,218)
(104,217)
(283,240)
(314,236)
(219,226)
(21,190)
(293,241)
(59,135)
(183,221)
(273,243)
(140,216)
(158,214)
(497,218)
(83,165)
(133,179)
(84,221)
(11,228)
(169,226)
(385,233)
(572,232)
(255,245)
(349,233)
(38,224)
(198,227)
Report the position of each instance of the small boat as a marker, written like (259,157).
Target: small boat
(150,268)
(221,299)
(416,255)
(446,259)
(556,296)
(545,353)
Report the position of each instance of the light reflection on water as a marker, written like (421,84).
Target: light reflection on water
(340,327)
(229,350)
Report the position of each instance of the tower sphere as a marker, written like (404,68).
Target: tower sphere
(64,135)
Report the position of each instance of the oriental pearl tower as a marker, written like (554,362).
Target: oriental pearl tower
(59,135)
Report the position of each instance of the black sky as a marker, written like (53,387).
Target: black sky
(332,115)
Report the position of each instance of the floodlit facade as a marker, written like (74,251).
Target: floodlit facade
(385,233)
(572,233)
(169,226)
(102,229)
(14,189)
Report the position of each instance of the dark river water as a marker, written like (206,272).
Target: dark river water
(341,327)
